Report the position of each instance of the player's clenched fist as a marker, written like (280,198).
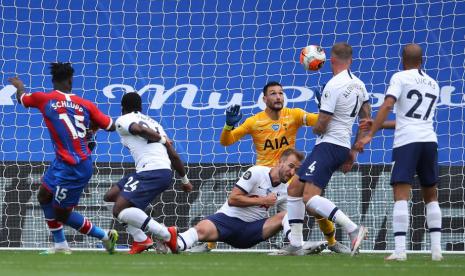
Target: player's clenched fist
(16,82)
(270,199)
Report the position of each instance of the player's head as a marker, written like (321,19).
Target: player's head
(288,164)
(273,96)
(62,76)
(341,56)
(131,102)
(412,56)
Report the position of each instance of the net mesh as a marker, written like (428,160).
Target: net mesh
(189,60)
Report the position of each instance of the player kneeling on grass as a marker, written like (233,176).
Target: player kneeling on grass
(154,156)
(243,220)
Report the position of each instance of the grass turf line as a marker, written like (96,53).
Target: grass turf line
(222,264)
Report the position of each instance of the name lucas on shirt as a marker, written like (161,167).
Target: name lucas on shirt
(276,143)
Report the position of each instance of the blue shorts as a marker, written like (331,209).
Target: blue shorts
(421,158)
(66,182)
(141,188)
(236,232)
(320,165)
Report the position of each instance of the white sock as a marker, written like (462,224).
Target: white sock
(400,221)
(296,214)
(138,218)
(187,239)
(137,234)
(434,221)
(286,226)
(61,245)
(326,208)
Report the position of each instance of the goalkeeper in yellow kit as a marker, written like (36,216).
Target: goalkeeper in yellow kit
(273,131)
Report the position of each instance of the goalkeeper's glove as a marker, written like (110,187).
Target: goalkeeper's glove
(318,95)
(233,115)
(90,137)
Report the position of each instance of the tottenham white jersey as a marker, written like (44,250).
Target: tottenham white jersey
(147,155)
(342,98)
(256,182)
(416,96)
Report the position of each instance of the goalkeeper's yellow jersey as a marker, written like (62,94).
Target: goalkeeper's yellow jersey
(271,137)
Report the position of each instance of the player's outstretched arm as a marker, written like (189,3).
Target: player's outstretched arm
(364,115)
(179,167)
(229,134)
(383,112)
(238,198)
(16,82)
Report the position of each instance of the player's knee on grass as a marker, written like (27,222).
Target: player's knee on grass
(206,231)
(44,196)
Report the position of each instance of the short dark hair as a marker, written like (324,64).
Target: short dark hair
(269,84)
(412,55)
(131,102)
(300,156)
(61,71)
(342,51)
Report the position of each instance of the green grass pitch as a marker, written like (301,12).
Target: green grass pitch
(223,264)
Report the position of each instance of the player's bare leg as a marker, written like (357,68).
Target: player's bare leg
(326,208)
(434,220)
(400,220)
(204,231)
(273,225)
(112,194)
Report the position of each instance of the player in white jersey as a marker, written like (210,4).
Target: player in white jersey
(414,95)
(154,157)
(343,98)
(243,220)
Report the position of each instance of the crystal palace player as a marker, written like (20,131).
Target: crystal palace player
(243,220)
(154,156)
(273,131)
(415,96)
(343,98)
(67,118)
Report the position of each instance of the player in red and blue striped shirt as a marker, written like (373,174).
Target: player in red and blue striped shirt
(68,118)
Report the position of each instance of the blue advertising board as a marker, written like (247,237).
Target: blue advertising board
(189,60)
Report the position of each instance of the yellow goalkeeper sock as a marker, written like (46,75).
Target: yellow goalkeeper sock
(211,245)
(327,227)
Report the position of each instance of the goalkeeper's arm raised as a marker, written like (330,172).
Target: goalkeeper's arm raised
(231,135)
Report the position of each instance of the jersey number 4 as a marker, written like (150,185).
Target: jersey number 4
(78,129)
(411,113)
